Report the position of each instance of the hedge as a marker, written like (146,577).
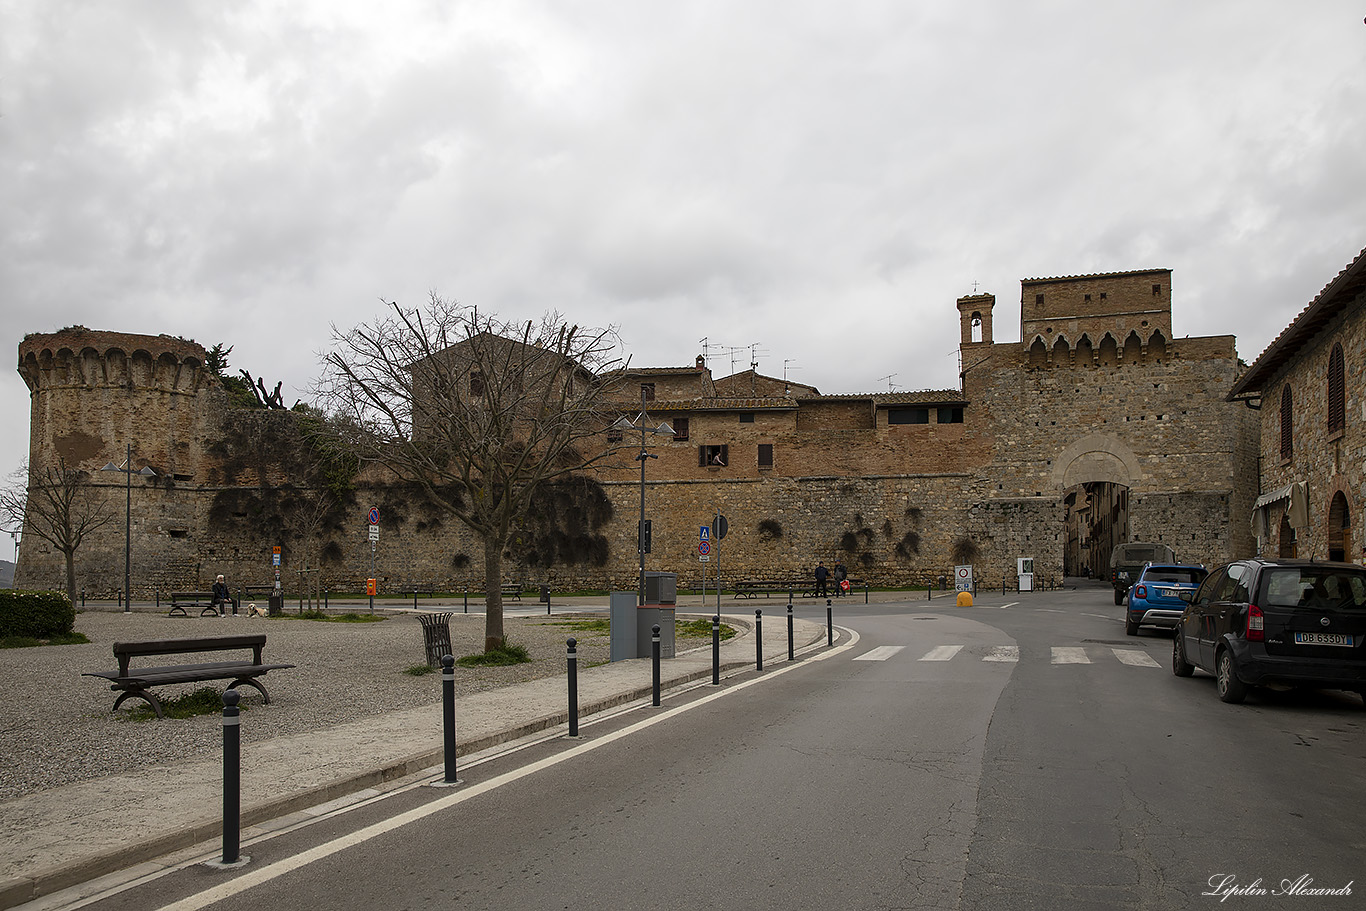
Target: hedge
(38,615)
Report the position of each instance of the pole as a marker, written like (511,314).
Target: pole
(640,529)
(654,651)
(573,688)
(791,652)
(128,536)
(758,640)
(716,650)
(448,715)
(372,575)
(232,777)
(829,623)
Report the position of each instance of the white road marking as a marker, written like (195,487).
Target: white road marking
(1070,655)
(1135,657)
(261,875)
(881,653)
(1003,653)
(1010,604)
(942,653)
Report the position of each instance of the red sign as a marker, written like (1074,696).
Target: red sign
(370,587)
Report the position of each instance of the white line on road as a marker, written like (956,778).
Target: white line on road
(881,653)
(1003,653)
(262,875)
(1135,657)
(1008,604)
(1063,655)
(942,653)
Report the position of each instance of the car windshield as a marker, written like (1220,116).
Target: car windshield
(1193,575)
(1316,588)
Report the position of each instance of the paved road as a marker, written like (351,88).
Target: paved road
(1023,753)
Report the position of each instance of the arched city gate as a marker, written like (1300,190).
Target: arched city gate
(1095,475)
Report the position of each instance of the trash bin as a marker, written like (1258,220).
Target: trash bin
(436,636)
(277,604)
(545,594)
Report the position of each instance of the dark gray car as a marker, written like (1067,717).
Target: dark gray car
(1286,622)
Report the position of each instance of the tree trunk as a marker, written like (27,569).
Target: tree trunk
(493,594)
(70,574)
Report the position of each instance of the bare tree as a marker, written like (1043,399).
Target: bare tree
(477,412)
(56,505)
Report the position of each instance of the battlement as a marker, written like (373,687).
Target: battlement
(81,357)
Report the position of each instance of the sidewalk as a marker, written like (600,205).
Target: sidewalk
(66,836)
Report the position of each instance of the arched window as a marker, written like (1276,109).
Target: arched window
(1337,406)
(1038,354)
(1287,424)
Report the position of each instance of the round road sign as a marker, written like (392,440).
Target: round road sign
(704,547)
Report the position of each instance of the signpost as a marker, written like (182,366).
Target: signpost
(373,519)
(962,578)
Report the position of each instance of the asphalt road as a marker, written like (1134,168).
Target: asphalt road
(1022,753)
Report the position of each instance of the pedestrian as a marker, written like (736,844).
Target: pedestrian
(840,575)
(821,575)
(222,598)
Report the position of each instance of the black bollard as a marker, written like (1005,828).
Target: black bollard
(232,777)
(758,640)
(654,652)
(448,715)
(82,597)
(791,652)
(326,596)
(467,599)
(865,591)
(573,688)
(829,623)
(716,650)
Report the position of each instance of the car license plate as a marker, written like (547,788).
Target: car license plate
(1323,639)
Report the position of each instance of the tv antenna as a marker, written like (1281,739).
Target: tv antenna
(888,378)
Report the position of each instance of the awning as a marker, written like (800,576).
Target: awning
(1274,496)
(1296,498)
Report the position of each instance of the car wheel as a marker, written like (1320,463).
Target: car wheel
(1180,666)
(1130,625)
(1231,689)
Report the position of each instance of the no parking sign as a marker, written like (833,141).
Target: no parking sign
(962,578)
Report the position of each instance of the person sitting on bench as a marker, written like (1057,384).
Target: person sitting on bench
(221,595)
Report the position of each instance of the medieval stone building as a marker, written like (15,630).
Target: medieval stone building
(1097,426)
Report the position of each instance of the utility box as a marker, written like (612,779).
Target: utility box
(623,622)
(661,588)
(1024,569)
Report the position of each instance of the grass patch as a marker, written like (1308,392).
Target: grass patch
(203,701)
(420,670)
(325,617)
(30,642)
(599,625)
(505,655)
(701,629)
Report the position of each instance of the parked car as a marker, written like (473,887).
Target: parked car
(1127,560)
(1155,597)
(1286,622)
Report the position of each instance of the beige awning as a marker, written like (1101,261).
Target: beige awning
(1295,498)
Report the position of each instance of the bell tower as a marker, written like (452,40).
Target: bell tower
(974,316)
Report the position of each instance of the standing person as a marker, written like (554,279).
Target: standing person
(840,575)
(221,595)
(821,575)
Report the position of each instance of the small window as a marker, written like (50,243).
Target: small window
(1038,300)
(765,455)
(681,430)
(177,532)
(712,456)
(648,391)
(908,416)
(1337,406)
(1088,298)
(476,383)
(1157,290)
(950,414)
(1287,424)
(1102,295)
(747,417)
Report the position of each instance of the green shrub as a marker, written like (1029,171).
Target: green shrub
(37,615)
(506,654)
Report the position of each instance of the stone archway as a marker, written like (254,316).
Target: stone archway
(1339,528)
(1094,474)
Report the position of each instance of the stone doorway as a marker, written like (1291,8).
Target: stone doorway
(1096,519)
(1339,528)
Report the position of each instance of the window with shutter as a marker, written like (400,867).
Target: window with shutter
(765,455)
(1337,406)
(1287,424)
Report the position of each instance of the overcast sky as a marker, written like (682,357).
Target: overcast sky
(821,180)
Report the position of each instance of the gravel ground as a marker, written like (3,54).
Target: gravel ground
(57,727)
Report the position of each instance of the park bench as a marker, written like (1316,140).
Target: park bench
(137,682)
(512,591)
(180,601)
(752,588)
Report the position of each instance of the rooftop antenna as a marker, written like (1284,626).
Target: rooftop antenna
(888,378)
(703,343)
(754,355)
(787,390)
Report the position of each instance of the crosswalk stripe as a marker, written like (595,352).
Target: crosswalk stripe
(941,653)
(881,653)
(1135,657)
(1003,653)
(1063,655)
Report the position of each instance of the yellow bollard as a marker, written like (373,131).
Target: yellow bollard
(965,599)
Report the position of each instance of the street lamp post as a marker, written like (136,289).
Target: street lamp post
(146,472)
(643,422)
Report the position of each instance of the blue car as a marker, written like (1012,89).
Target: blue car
(1155,597)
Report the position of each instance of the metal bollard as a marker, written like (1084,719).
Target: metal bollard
(326,596)
(448,715)
(791,652)
(467,599)
(573,688)
(654,652)
(414,597)
(232,777)
(829,623)
(82,597)
(758,640)
(716,650)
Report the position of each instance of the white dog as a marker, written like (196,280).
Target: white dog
(254,611)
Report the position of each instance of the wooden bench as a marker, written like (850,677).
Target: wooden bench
(181,600)
(512,591)
(137,682)
(752,588)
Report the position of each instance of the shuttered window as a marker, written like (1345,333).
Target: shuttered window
(1287,424)
(765,455)
(1337,406)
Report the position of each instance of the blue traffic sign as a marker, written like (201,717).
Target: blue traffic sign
(704,534)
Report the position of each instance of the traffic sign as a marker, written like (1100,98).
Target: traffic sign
(374,515)
(374,532)
(704,547)
(703,558)
(720,527)
(704,533)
